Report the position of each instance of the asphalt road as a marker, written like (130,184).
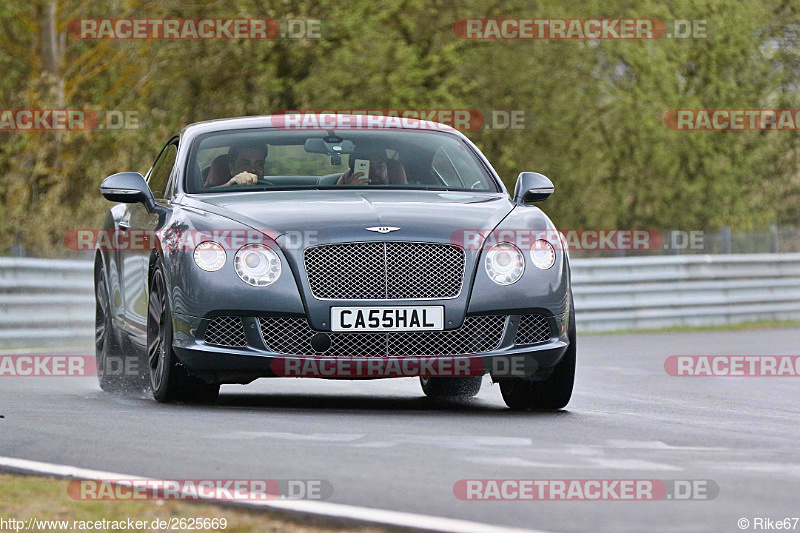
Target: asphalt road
(382,444)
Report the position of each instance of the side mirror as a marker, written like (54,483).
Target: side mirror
(128,188)
(532,187)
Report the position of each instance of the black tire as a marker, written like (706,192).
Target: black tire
(552,393)
(115,373)
(451,387)
(169,380)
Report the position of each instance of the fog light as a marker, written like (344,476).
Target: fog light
(209,256)
(543,254)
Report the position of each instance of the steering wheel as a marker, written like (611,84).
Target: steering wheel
(475,185)
(263,181)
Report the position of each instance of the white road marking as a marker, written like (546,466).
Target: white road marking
(386,441)
(363,515)
(658,445)
(375,444)
(585,450)
(792,469)
(279,435)
(596,463)
(631,464)
(517,462)
(623,370)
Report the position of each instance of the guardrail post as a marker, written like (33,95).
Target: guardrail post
(674,249)
(725,238)
(773,229)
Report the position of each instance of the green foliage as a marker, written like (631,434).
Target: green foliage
(594,109)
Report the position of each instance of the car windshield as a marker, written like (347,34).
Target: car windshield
(249,160)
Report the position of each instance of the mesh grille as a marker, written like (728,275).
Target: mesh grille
(384,270)
(418,270)
(347,271)
(226,331)
(292,336)
(478,334)
(532,329)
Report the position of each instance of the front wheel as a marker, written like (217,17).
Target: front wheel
(552,393)
(169,380)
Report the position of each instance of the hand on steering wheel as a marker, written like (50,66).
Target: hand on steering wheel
(243,178)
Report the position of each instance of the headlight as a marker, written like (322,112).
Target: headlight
(209,256)
(504,263)
(257,265)
(543,254)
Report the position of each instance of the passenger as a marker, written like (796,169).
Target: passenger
(378,169)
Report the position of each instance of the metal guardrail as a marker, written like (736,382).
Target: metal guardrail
(52,301)
(657,292)
(44,301)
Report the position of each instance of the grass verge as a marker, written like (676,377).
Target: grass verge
(24,497)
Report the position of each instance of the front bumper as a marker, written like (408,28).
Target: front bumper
(254,359)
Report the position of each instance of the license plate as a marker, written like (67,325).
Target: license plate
(407,318)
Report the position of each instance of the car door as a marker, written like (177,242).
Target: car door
(139,223)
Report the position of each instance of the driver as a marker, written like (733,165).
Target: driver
(378,169)
(245,164)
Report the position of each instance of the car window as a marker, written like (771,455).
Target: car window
(293,160)
(162,168)
(408,159)
(468,173)
(445,169)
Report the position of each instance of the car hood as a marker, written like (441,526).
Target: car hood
(344,215)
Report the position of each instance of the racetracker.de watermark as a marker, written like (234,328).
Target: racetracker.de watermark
(83,240)
(578,29)
(733,365)
(200,489)
(339,121)
(733,119)
(67,120)
(380,366)
(594,240)
(193,29)
(585,489)
(47,365)
(460,119)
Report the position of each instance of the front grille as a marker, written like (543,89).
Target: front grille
(292,336)
(532,329)
(384,270)
(226,331)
